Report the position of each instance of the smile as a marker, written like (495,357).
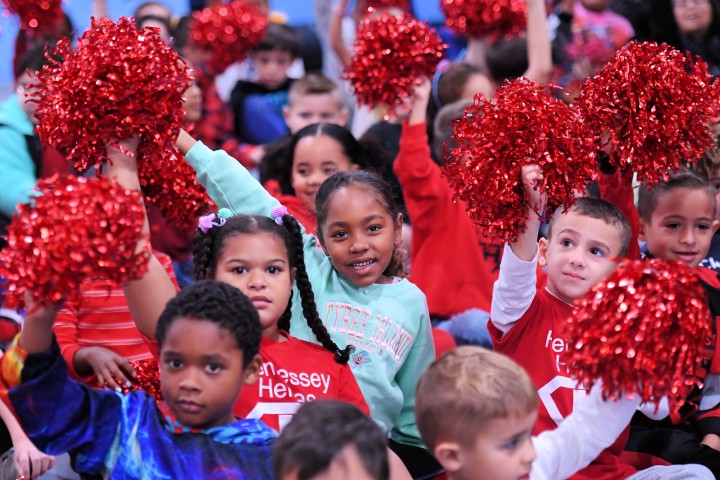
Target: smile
(362,265)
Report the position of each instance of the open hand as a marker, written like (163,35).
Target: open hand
(110,369)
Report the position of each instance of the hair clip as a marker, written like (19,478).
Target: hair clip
(205,223)
(442,67)
(278,213)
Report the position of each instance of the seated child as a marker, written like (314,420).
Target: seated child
(678,222)
(258,105)
(208,337)
(582,248)
(329,439)
(476,411)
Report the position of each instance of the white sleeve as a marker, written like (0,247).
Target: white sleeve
(514,290)
(592,427)
(653,412)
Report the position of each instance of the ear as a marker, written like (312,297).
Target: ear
(293,273)
(321,241)
(252,370)
(286,113)
(542,252)
(715,225)
(354,166)
(643,227)
(450,456)
(398,230)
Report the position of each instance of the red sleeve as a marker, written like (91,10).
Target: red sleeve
(427,195)
(167,264)
(617,189)
(65,329)
(350,391)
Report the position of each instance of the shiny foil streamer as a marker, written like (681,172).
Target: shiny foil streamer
(170,184)
(491,143)
(36,15)
(391,54)
(228,31)
(654,105)
(491,19)
(115,83)
(75,229)
(147,379)
(380,4)
(643,330)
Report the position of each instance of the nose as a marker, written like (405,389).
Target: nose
(687,236)
(528,454)
(256,280)
(190,381)
(577,258)
(359,244)
(316,178)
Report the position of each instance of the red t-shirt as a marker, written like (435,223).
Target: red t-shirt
(294,372)
(536,342)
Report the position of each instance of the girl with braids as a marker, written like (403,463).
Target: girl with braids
(358,282)
(262,257)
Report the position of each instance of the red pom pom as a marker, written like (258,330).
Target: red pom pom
(117,82)
(655,105)
(36,15)
(170,184)
(228,32)
(391,54)
(382,4)
(493,141)
(644,329)
(147,379)
(491,19)
(77,229)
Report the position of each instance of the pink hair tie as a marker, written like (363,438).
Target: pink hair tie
(278,213)
(205,223)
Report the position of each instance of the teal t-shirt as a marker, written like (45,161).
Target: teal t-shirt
(388,324)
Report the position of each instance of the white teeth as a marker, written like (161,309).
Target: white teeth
(363,264)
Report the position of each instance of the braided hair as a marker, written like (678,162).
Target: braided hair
(218,303)
(208,248)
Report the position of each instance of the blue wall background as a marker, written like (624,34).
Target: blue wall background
(299,12)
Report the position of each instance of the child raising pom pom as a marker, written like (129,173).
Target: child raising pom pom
(78,228)
(492,143)
(119,81)
(655,105)
(391,53)
(644,329)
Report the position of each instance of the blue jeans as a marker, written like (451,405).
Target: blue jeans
(468,327)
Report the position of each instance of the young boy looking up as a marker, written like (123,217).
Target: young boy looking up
(258,105)
(582,248)
(314,99)
(209,336)
(476,410)
(678,222)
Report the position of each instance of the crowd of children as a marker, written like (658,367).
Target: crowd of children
(337,314)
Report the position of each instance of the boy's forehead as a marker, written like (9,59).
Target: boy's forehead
(315,101)
(594,229)
(671,203)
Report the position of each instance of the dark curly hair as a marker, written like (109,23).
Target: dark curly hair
(208,248)
(383,194)
(218,303)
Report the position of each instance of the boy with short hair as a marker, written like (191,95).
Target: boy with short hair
(582,248)
(258,105)
(677,221)
(314,99)
(331,439)
(209,336)
(476,409)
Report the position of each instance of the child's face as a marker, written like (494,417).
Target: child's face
(314,108)
(316,158)
(192,102)
(580,252)
(202,372)
(346,465)
(258,266)
(693,17)
(25,86)
(502,451)
(271,67)
(681,227)
(360,235)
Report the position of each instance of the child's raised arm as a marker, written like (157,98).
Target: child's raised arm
(515,288)
(147,296)
(539,48)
